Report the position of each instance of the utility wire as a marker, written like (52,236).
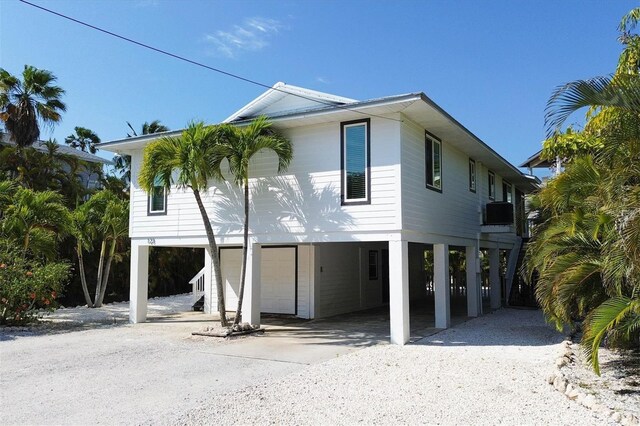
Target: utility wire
(199,64)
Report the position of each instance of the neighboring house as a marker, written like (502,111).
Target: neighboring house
(87,175)
(372,183)
(536,162)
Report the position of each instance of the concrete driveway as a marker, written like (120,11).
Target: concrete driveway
(90,367)
(105,373)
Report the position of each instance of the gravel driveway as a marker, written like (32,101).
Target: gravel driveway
(490,370)
(486,371)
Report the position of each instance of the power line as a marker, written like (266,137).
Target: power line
(196,63)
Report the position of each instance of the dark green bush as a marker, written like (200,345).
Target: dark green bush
(28,286)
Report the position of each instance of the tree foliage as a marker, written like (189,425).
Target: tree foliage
(27,104)
(190,161)
(83,139)
(586,244)
(238,145)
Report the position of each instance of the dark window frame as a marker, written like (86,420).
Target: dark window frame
(343,157)
(162,212)
(376,265)
(473,177)
(429,161)
(491,187)
(506,183)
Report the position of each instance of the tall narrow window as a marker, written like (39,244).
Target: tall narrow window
(472,175)
(506,192)
(433,161)
(355,162)
(492,186)
(373,264)
(158,199)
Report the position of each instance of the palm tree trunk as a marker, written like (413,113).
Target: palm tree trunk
(213,247)
(83,277)
(105,275)
(103,250)
(245,252)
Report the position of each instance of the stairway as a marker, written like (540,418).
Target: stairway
(523,291)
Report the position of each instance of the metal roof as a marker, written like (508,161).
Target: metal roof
(62,149)
(417,107)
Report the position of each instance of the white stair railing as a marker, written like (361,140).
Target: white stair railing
(197,285)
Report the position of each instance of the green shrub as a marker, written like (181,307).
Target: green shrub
(28,286)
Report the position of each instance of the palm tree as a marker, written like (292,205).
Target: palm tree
(34,220)
(587,247)
(195,158)
(123,162)
(83,139)
(148,128)
(26,104)
(104,218)
(239,146)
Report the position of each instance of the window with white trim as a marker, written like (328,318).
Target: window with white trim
(492,186)
(355,161)
(472,175)
(158,199)
(433,161)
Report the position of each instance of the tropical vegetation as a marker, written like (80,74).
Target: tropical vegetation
(238,146)
(586,244)
(190,160)
(27,104)
(63,240)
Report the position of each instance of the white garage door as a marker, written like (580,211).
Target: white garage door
(278,278)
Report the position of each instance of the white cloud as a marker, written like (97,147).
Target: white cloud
(251,36)
(323,80)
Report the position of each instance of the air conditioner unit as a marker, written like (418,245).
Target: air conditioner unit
(499,213)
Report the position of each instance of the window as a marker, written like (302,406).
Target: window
(373,264)
(157,199)
(492,186)
(433,161)
(506,192)
(472,175)
(355,162)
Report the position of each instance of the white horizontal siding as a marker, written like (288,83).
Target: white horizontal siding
(341,281)
(305,199)
(454,211)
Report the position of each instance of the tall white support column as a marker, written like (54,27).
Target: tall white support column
(494,278)
(473,281)
(399,291)
(442,285)
(139,283)
(210,293)
(251,300)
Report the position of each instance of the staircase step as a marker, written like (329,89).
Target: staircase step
(199,305)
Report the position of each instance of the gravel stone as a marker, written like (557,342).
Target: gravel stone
(490,370)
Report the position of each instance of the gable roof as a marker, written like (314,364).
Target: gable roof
(62,149)
(535,161)
(302,98)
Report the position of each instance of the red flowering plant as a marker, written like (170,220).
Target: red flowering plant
(28,286)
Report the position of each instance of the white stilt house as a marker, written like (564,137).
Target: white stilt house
(371,185)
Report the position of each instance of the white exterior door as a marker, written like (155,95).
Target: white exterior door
(278,279)
(230,263)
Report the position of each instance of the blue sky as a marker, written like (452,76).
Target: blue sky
(490,64)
